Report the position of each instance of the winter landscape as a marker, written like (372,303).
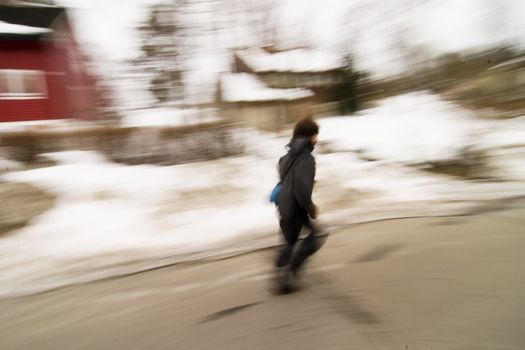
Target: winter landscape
(137,214)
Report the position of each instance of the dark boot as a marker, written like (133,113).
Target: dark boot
(283,281)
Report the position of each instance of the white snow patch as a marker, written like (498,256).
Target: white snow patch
(503,134)
(297,60)
(71,157)
(105,207)
(411,128)
(164,116)
(7,165)
(9,28)
(266,145)
(39,124)
(385,182)
(510,64)
(246,87)
(504,143)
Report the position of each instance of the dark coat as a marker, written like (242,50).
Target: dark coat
(295,199)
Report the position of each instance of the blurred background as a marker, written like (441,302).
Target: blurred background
(136,134)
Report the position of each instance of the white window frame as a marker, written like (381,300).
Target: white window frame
(15,82)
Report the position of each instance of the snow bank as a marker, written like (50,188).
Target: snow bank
(505,133)
(39,124)
(164,116)
(112,214)
(504,143)
(71,157)
(266,145)
(244,87)
(7,165)
(411,128)
(105,207)
(383,182)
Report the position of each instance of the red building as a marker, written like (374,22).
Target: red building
(43,73)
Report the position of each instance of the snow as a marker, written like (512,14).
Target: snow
(164,116)
(412,128)
(109,213)
(264,145)
(112,207)
(505,144)
(105,208)
(296,60)
(8,28)
(382,182)
(504,134)
(41,124)
(510,162)
(7,165)
(510,64)
(417,128)
(244,87)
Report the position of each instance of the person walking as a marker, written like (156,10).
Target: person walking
(295,206)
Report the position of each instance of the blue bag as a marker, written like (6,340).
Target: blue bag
(274,196)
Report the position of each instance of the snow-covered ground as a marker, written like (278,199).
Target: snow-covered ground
(163,116)
(155,117)
(419,128)
(40,124)
(105,208)
(110,214)
(412,128)
(6,165)
(112,207)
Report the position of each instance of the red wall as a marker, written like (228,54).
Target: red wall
(81,93)
(70,92)
(25,55)
(55,61)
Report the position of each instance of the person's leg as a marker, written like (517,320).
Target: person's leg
(308,246)
(290,231)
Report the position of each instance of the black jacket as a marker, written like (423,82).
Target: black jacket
(295,199)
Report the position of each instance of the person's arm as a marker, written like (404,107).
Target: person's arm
(304,175)
(279,168)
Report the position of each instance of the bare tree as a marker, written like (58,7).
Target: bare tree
(163,50)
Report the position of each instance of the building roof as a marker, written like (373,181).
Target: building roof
(32,16)
(296,60)
(244,87)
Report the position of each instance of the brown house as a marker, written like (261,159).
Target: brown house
(270,88)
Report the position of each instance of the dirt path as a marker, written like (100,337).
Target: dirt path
(20,203)
(435,283)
